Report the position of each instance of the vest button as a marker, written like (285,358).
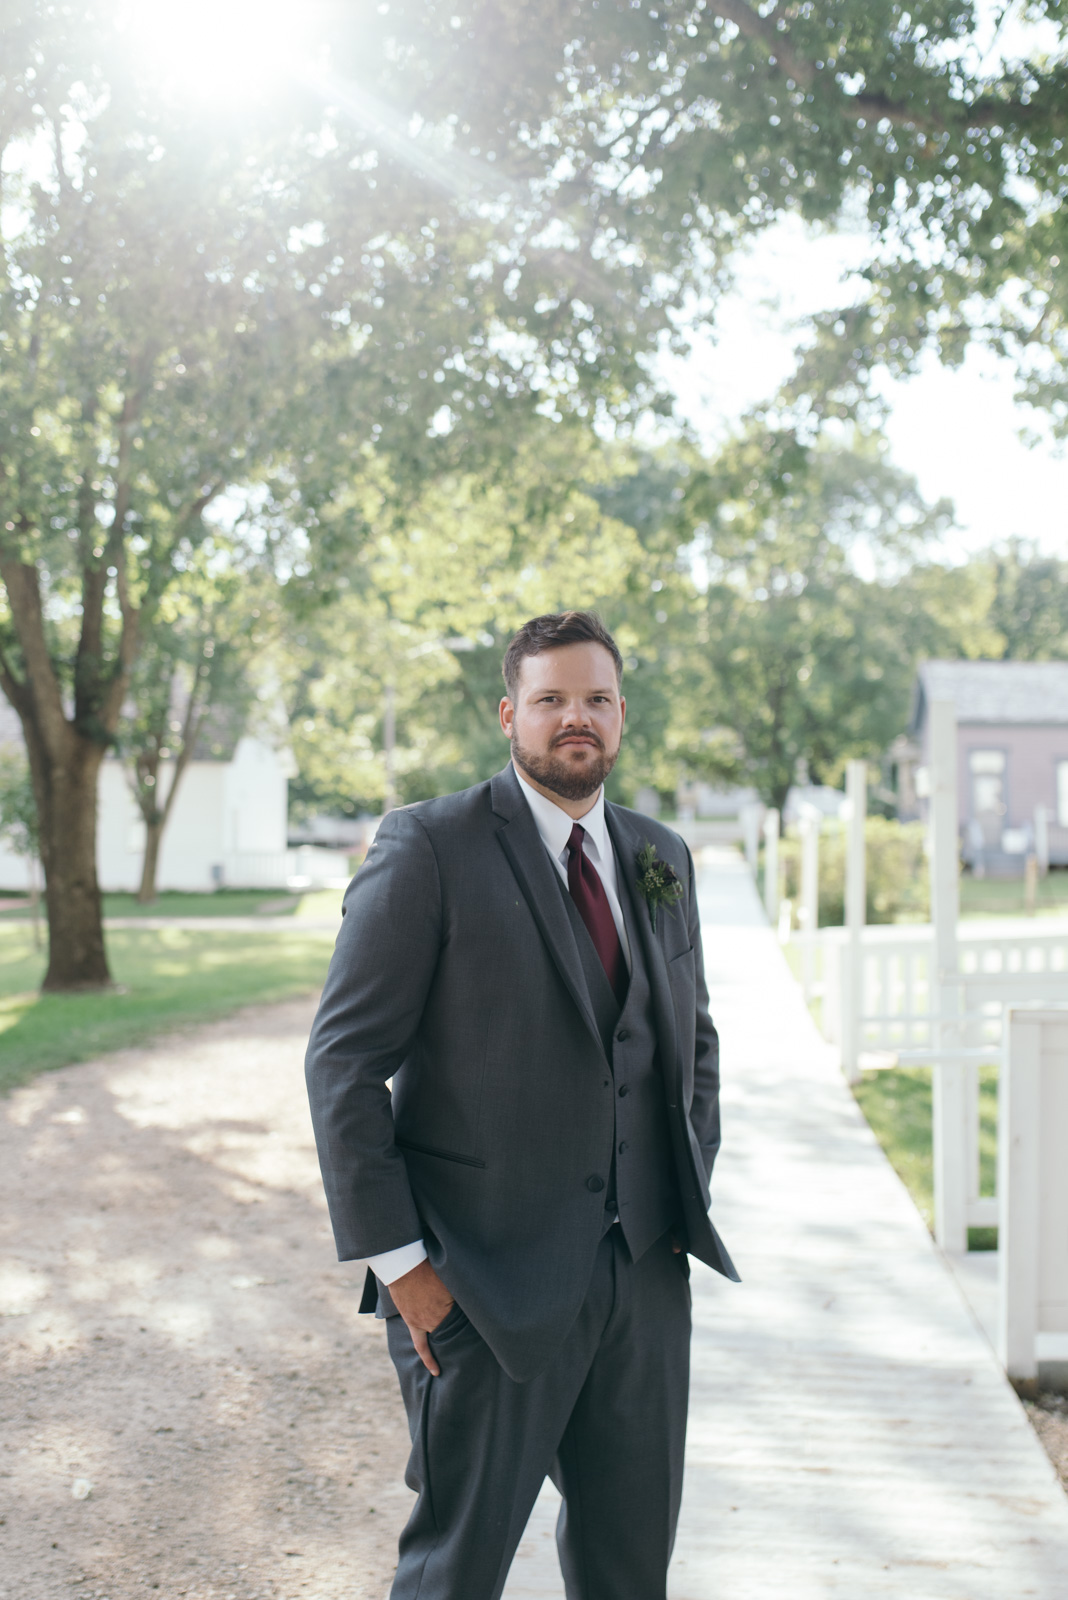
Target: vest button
(622,1147)
(595,1184)
(622,1033)
(624,1088)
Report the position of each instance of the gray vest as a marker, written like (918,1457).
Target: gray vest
(642,1187)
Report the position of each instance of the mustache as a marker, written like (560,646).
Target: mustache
(579,733)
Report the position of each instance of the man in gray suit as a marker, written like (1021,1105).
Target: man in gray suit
(523,961)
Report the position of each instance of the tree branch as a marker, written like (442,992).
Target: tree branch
(192,722)
(14,690)
(42,699)
(188,514)
(65,187)
(88,660)
(129,636)
(985,112)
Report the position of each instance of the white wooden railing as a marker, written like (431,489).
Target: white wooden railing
(999,965)
(935,995)
(1033,1185)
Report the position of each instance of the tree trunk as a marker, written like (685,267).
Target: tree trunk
(35,901)
(147,893)
(66,808)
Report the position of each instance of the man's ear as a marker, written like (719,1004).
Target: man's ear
(506,712)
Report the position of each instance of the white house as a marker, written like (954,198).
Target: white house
(227,828)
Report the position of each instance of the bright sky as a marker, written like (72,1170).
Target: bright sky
(957,432)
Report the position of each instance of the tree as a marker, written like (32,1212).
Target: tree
(194,303)
(18,823)
(1029,603)
(940,129)
(811,625)
(426,609)
(195,664)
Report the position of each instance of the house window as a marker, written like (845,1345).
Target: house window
(1062,793)
(987,769)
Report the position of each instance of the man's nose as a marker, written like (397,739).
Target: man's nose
(575,714)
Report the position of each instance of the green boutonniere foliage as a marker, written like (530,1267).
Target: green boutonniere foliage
(658,882)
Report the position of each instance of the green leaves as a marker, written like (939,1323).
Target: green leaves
(658,882)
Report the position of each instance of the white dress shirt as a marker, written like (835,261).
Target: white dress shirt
(554,825)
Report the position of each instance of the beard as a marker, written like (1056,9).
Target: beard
(556,772)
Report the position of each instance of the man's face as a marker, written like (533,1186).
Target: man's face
(566,723)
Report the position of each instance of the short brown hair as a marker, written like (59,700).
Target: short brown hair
(552,632)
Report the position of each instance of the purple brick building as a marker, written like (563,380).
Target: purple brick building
(1012,755)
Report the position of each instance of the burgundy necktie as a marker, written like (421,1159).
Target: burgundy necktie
(587,891)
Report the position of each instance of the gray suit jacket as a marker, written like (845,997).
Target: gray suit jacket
(457,975)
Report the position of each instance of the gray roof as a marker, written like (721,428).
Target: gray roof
(1034,692)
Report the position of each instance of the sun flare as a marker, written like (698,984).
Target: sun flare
(240,48)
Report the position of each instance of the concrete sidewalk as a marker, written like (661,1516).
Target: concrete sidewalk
(850,1431)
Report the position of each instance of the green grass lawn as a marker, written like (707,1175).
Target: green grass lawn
(1004,897)
(897,1104)
(166,977)
(221,903)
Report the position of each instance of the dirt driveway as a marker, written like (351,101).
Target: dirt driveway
(189,1403)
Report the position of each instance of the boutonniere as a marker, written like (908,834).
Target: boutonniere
(658,882)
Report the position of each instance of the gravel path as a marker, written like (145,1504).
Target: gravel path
(189,1402)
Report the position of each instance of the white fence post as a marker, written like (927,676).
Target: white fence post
(809,911)
(855,915)
(1033,1192)
(1019,1194)
(951,1100)
(771,865)
(749,817)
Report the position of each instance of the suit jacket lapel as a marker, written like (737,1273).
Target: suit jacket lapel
(627,842)
(529,860)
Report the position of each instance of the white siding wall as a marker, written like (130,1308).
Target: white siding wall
(256,798)
(224,810)
(14,871)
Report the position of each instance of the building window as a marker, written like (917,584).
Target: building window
(987,769)
(1062,793)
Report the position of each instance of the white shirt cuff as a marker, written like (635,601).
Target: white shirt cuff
(393,1264)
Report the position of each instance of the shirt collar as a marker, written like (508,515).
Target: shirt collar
(554,824)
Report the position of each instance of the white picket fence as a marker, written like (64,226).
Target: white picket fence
(998,965)
(958,996)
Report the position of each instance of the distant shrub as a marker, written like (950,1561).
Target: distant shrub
(895,865)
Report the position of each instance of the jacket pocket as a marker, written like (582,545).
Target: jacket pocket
(443,1155)
(687,952)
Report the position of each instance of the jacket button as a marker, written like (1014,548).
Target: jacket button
(622,1033)
(624,1088)
(595,1184)
(622,1146)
